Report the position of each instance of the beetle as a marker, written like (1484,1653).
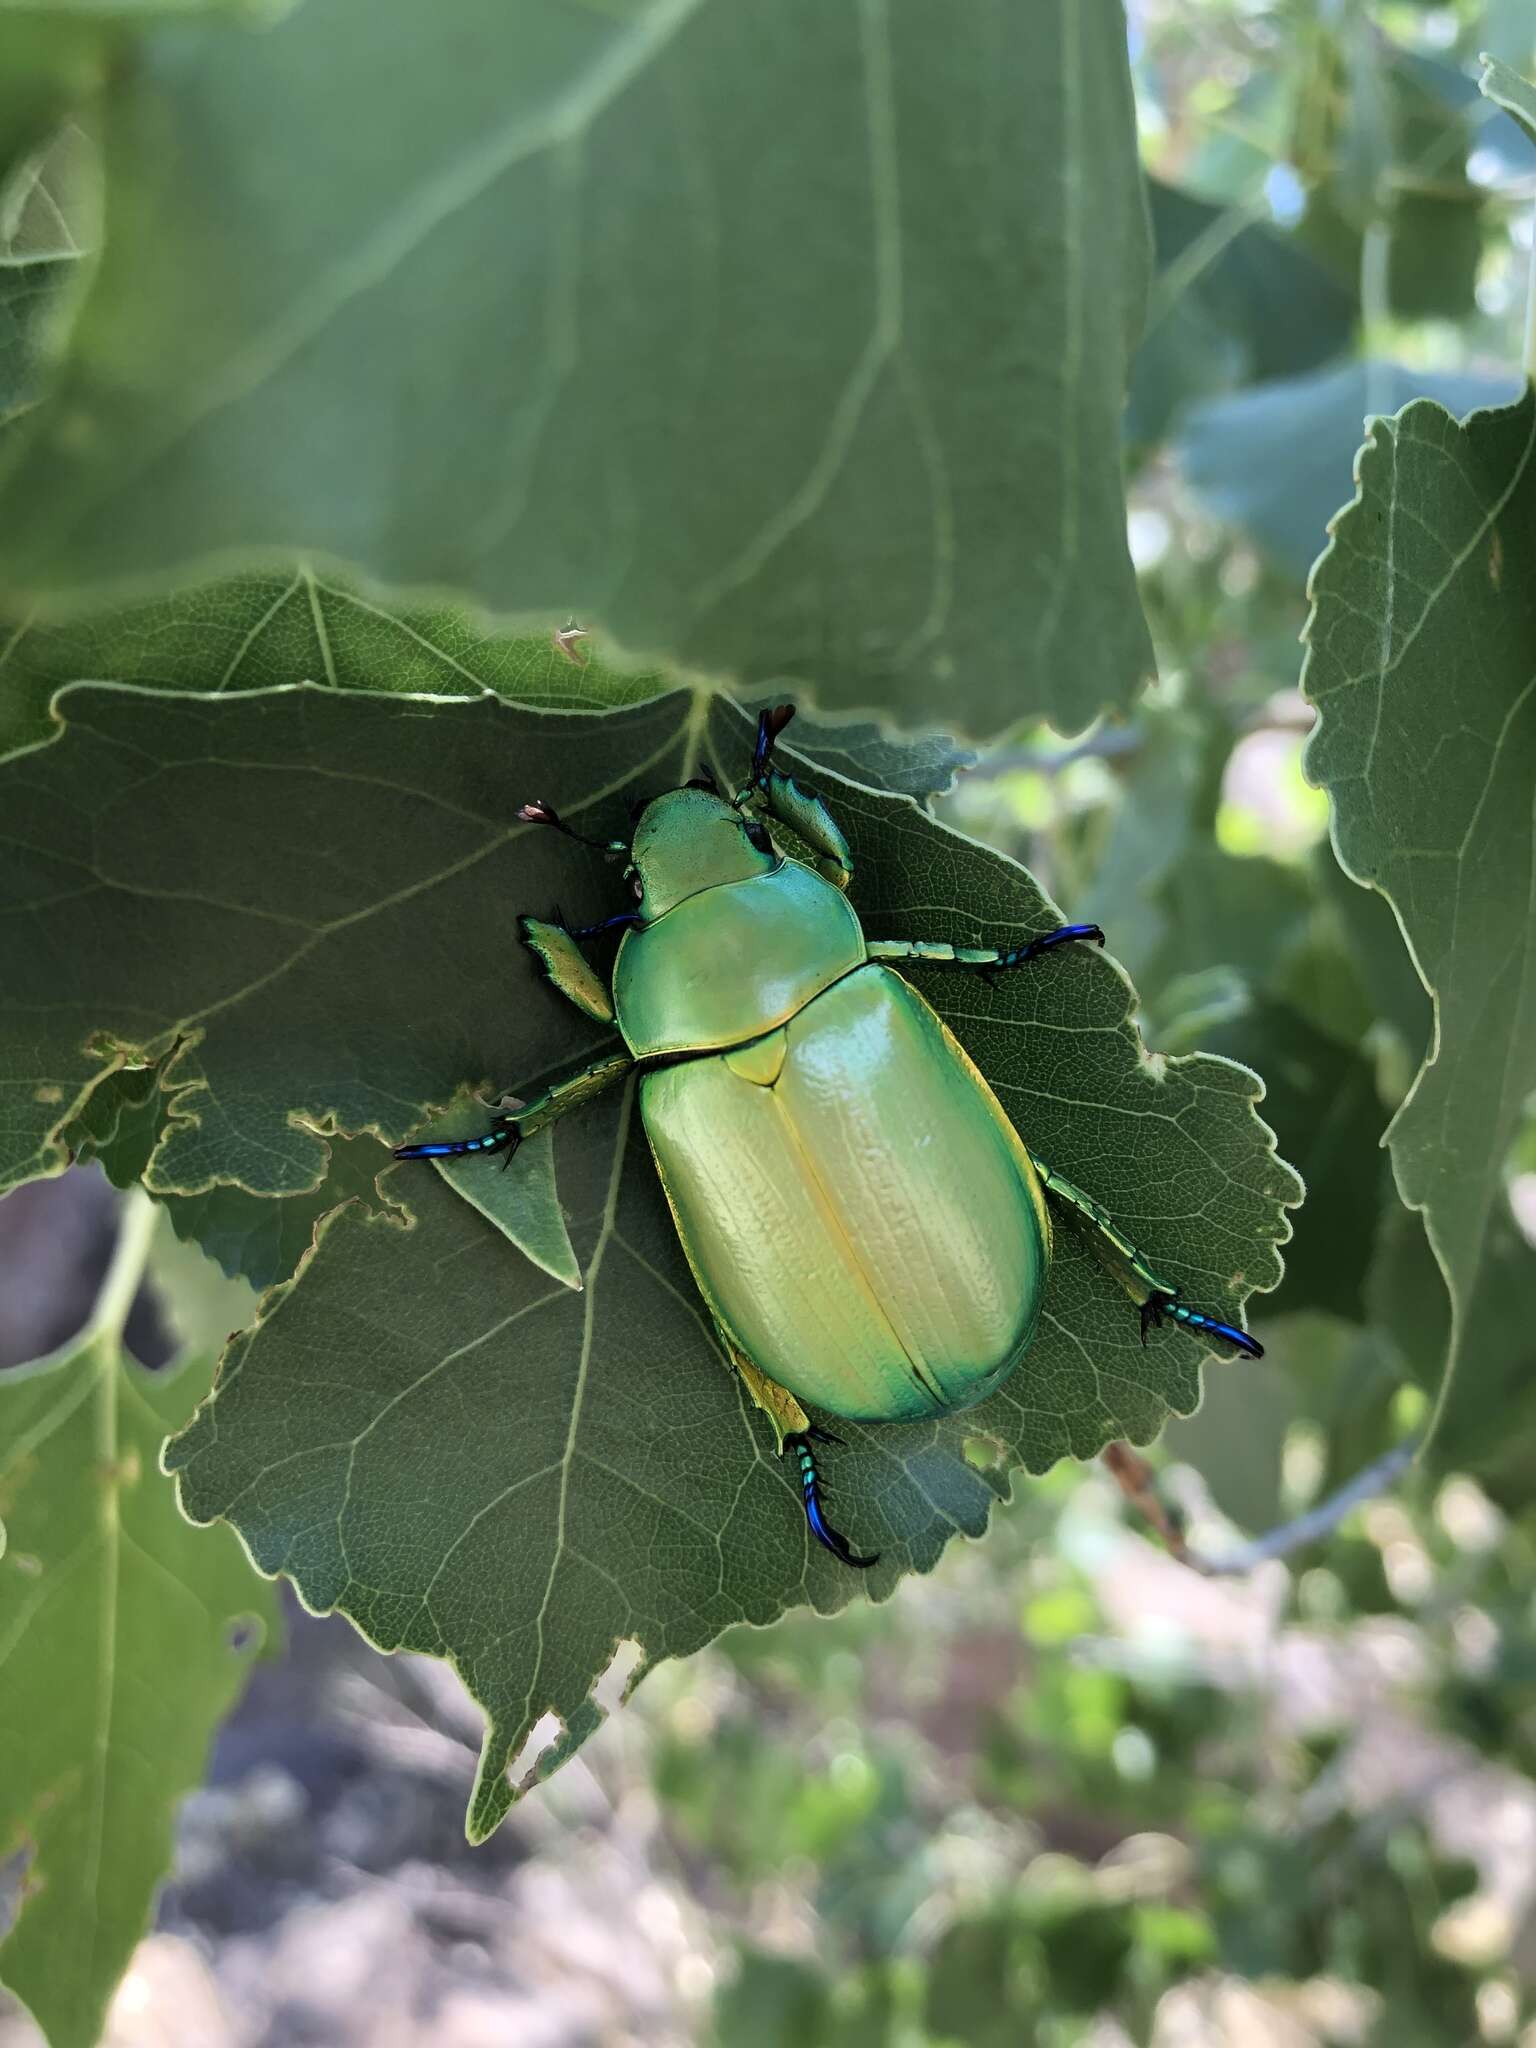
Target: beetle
(869,1232)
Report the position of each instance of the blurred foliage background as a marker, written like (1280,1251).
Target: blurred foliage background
(1064,1790)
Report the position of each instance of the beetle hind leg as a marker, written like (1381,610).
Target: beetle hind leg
(810,1487)
(1167,1304)
(796,1432)
(1157,1299)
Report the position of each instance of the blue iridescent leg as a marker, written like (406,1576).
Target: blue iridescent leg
(810,1486)
(1157,1306)
(503,1136)
(1156,1297)
(507,1132)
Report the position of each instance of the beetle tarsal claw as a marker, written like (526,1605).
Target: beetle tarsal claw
(811,1492)
(1152,1314)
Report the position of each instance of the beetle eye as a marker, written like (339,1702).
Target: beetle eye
(638,887)
(759,837)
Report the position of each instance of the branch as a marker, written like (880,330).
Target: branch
(1316,1522)
(1136,1480)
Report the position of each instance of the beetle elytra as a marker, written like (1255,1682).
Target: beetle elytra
(869,1232)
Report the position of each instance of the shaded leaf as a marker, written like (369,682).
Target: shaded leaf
(104,1590)
(48,209)
(119,1124)
(1321,1102)
(1276,460)
(1485,1428)
(284,886)
(1422,663)
(1510,133)
(1235,301)
(598,1440)
(1236,1438)
(852,420)
(1255,964)
(261,1238)
(1388,152)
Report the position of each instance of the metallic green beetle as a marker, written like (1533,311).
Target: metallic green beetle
(867,1229)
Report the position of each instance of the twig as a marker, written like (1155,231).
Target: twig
(1138,1482)
(1316,1522)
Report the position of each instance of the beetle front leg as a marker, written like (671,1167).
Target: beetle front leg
(1155,1297)
(508,1132)
(566,967)
(983,960)
(793,805)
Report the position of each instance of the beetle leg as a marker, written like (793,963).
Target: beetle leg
(503,1136)
(566,967)
(777,1403)
(987,961)
(507,1132)
(1156,1298)
(830,1538)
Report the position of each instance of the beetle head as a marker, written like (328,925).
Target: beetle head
(690,839)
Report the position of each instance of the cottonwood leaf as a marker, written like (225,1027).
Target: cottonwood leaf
(253,631)
(523,1205)
(298,626)
(1504,86)
(258,891)
(1422,663)
(261,1239)
(425,1431)
(126,1636)
(1485,1428)
(1275,459)
(1234,301)
(47,225)
(780,338)
(250,1237)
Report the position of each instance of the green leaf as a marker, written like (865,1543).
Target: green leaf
(131,966)
(119,1124)
(608,1448)
(252,632)
(254,1238)
(1276,460)
(787,341)
(1235,301)
(1321,1102)
(1516,95)
(1485,1428)
(1252,965)
(127,1636)
(48,208)
(262,1239)
(1422,663)
(523,1204)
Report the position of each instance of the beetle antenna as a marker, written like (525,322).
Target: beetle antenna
(537,812)
(769,725)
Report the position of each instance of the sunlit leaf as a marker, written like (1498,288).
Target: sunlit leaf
(783,341)
(1422,664)
(125,1635)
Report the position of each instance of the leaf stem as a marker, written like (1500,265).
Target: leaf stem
(1320,1521)
(136,1227)
(1376,311)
